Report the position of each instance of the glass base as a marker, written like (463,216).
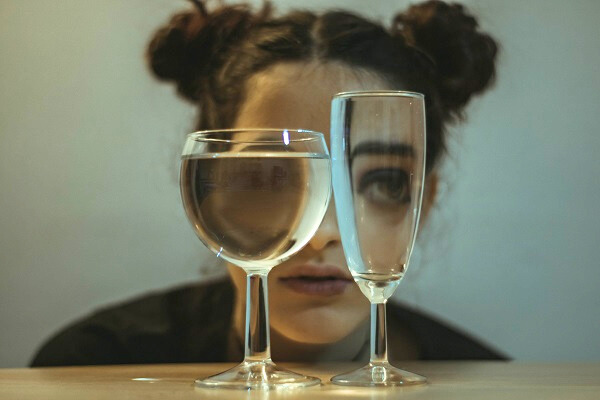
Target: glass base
(378,374)
(262,375)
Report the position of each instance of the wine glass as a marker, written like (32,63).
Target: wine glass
(255,197)
(378,167)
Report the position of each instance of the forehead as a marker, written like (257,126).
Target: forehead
(298,95)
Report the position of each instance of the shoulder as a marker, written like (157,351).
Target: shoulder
(156,327)
(438,340)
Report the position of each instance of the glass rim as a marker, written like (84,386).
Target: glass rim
(204,134)
(379,93)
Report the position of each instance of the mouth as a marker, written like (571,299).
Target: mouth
(321,280)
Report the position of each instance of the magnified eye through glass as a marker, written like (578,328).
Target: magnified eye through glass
(378,165)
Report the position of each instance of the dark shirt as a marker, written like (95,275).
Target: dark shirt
(191,324)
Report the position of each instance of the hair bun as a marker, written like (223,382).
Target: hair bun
(464,57)
(191,46)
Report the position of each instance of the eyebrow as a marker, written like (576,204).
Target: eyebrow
(380,148)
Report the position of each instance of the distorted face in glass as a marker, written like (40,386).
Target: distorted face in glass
(385,157)
(250,204)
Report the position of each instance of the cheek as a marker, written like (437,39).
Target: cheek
(238,277)
(384,239)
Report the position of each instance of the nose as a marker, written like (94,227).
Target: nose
(328,233)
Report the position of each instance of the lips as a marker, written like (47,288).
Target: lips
(322,280)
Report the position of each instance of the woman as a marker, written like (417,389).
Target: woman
(250,69)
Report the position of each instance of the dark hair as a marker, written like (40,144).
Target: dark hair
(433,48)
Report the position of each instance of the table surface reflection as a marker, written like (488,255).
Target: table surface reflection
(448,380)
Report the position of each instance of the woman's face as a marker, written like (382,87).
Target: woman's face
(312,296)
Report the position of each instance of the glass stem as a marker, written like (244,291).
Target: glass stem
(379,353)
(257,344)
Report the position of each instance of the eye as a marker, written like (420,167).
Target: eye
(386,186)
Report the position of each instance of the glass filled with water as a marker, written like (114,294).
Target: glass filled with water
(255,197)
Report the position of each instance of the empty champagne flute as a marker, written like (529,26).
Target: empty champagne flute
(255,197)
(378,168)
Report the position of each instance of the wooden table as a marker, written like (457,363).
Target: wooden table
(448,380)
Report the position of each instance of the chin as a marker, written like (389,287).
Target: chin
(316,336)
(316,326)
